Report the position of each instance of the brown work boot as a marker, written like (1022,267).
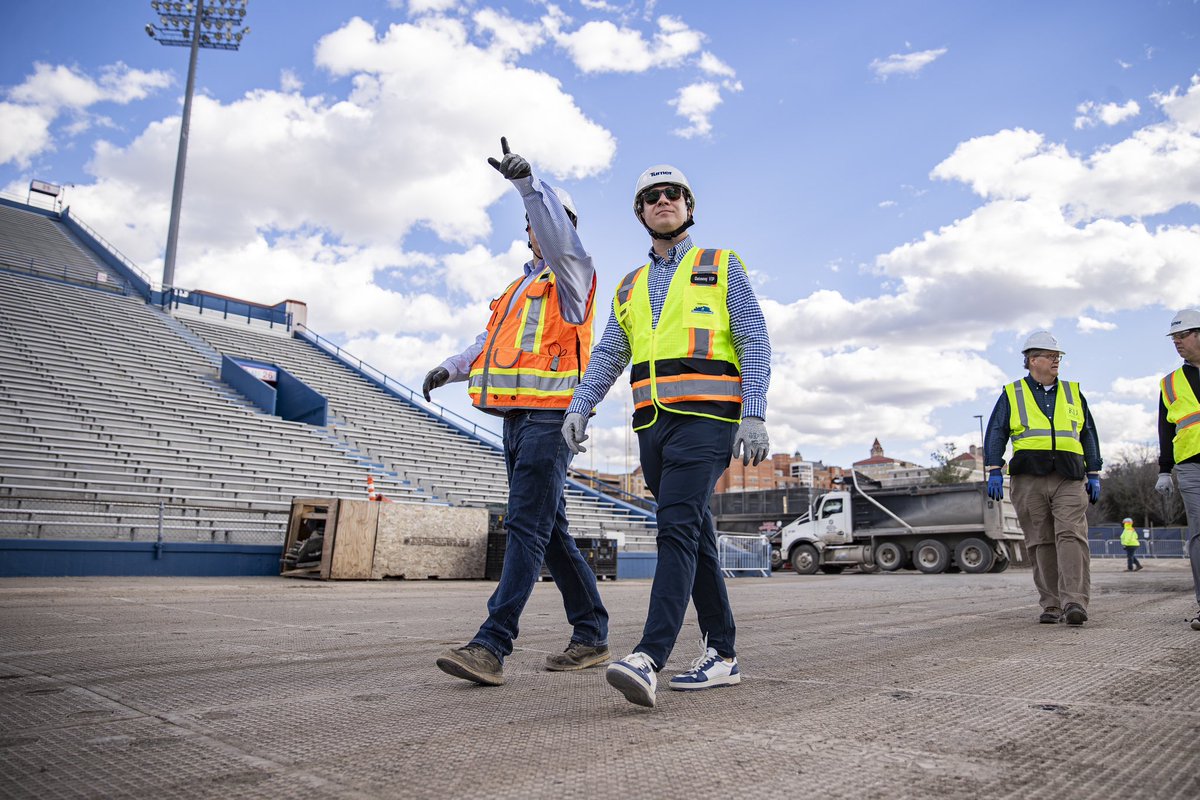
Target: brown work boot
(474,662)
(578,656)
(1075,614)
(1050,616)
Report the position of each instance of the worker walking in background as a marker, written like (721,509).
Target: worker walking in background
(1055,473)
(691,325)
(523,368)
(1179,434)
(1129,540)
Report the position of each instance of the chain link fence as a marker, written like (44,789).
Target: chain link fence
(132,521)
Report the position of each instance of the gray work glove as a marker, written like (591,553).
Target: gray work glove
(1163,485)
(436,377)
(752,441)
(511,166)
(574,431)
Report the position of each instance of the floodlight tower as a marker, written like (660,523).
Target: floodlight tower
(217,25)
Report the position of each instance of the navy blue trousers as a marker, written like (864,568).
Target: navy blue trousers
(682,458)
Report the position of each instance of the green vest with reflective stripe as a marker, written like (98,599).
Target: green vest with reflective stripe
(1029,427)
(1183,411)
(1129,537)
(687,363)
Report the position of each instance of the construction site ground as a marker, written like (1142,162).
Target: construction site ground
(890,685)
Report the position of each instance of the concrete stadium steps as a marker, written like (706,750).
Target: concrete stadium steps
(31,241)
(103,399)
(451,465)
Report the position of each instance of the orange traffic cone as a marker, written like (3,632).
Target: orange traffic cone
(370,487)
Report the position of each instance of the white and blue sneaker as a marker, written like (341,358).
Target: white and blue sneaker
(707,671)
(633,676)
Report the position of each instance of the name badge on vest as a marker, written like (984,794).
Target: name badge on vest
(704,278)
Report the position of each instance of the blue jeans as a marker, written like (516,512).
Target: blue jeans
(1130,558)
(682,458)
(536,457)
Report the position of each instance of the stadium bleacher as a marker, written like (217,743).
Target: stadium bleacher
(114,418)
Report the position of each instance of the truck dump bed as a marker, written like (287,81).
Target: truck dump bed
(947,507)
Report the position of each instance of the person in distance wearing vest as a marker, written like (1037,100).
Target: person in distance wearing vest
(1129,540)
(523,368)
(692,327)
(1055,471)
(1179,434)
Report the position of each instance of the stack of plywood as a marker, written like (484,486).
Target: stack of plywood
(366,540)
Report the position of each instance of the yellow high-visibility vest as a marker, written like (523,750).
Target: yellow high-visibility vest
(687,363)
(1031,429)
(1129,537)
(1183,411)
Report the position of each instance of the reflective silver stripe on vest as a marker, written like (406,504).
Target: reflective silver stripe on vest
(1188,421)
(674,390)
(529,334)
(1169,388)
(1023,416)
(703,340)
(502,382)
(706,258)
(626,287)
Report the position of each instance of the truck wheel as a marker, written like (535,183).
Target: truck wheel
(889,556)
(832,569)
(999,565)
(974,556)
(931,556)
(776,559)
(805,559)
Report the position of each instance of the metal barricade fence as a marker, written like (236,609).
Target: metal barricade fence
(740,555)
(1105,542)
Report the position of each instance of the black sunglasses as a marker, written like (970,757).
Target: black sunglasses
(651,195)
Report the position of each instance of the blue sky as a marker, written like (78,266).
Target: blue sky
(914,185)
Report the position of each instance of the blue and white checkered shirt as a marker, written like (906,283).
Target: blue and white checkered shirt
(750,339)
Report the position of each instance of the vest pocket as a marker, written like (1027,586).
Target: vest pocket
(701,307)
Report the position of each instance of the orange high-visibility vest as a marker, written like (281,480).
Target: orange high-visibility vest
(532,358)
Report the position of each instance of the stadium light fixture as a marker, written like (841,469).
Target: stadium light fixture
(190,24)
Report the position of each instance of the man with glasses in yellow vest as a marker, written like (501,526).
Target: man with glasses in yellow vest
(1055,472)
(523,368)
(1179,434)
(692,327)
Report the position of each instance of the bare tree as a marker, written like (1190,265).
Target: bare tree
(1128,491)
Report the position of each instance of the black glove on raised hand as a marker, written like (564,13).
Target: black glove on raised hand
(433,379)
(511,166)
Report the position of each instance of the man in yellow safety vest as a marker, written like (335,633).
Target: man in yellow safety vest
(1055,471)
(1179,434)
(692,327)
(1129,540)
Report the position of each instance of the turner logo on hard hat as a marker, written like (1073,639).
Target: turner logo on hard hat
(1186,320)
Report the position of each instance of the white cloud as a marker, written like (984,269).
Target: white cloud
(601,46)
(51,91)
(1145,387)
(1088,325)
(419,7)
(1122,425)
(510,37)
(1109,114)
(715,66)
(905,63)
(289,81)
(695,103)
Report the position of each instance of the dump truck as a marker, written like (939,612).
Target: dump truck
(929,528)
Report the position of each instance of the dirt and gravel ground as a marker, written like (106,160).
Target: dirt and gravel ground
(888,686)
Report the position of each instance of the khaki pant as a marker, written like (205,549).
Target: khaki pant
(1052,511)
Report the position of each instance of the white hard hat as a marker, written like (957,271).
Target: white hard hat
(1127,519)
(662,174)
(565,199)
(1041,340)
(1186,320)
